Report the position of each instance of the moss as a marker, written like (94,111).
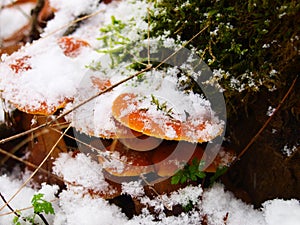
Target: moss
(253,41)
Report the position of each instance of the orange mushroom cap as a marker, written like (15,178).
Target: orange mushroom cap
(126,110)
(124,162)
(71,46)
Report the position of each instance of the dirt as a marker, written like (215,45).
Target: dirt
(264,172)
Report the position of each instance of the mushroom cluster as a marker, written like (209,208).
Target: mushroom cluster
(154,126)
(154,121)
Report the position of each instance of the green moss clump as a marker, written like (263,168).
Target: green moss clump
(250,43)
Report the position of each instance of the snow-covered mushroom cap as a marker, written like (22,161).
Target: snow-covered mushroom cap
(42,77)
(152,104)
(158,108)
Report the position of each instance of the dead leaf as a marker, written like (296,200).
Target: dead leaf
(40,144)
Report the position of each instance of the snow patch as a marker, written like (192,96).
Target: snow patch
(88,175)
(13,19)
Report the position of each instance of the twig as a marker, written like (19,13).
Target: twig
(73,22)
(148,34)
(149,67)
(225,219)
(36,170)
(11,209)
(35,28)
(184,44)
(23,209)
(42,218)
(99,151)
(75,107)
(28,163)
(24,219)
(266,123)
(19,146)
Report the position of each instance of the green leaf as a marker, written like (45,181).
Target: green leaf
(201,174)
(16,220)
(175,179)
(193,177)
(183,179)
(40,205)
(220,171)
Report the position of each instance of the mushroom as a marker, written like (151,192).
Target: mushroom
(121,164)
(13,36)
(39,87)
(35,85)
(164,125)
(71,46)
(131,110)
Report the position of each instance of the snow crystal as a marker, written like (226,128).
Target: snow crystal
(116,163)
(288,151)
(270,111)
(186,195)
(266,46)
(214,32)
(133,188)
(273,73)
(183,197)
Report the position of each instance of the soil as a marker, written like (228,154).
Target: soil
(264,172)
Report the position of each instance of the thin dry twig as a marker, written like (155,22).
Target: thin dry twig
(266,123)
(53,120)
(183,46)
(16,213)
(23,209)
(11,209)
(20,145)
(74,22)
(36,170)
(148,34)
(99,151)
(148,67)
(10,155)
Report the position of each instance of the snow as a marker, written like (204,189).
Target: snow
(270,111)
(279,212)
(67,167)
(288,151)
(217,203)
(13,19)
(9,185)
(74,208)
(133,188)
(48,76)
(41,76)
(53,77)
